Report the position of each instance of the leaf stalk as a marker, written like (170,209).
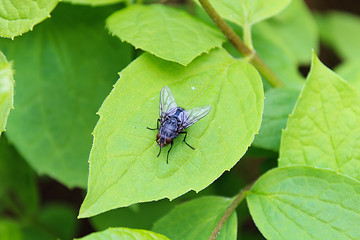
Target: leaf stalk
(237,200)
(250,55)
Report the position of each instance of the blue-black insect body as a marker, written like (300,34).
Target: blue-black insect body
(173,120)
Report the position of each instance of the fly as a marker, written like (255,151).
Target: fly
(173,120)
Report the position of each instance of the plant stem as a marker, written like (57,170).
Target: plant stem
(238,199)
(249,54)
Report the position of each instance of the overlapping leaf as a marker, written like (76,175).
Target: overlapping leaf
(124,233)
(324,129)
(123,164)
(166,32)
(302,202)
(279,103)
(62,80)
(294,29)
(18,17)
(6,90)
(198,219)
(350,71)
(248,12)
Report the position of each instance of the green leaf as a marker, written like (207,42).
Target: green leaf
(124,168)
(278,59)
(341,31)
(306,203)
(248,12)
(166,32)
(294,29)
(62,80)
(123,234)
(324,129)
(279,103)
(6,90)
(18,190)
(136,216)
(94,2)
(350,71)
(10,230)
(197,219)
(18,17)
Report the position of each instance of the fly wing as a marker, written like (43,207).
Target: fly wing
(195,115)
(167,102)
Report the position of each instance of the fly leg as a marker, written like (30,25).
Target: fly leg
(157,126)
(167,158)
(159,153)
(185,141)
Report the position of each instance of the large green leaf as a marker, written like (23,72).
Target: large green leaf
(302,202)
(95,2)
(18,17)
(248,12)
(197,219)
(294,29)
(6,90)
(166,32)
(124,234)
(18,191)
(341,31)
(61,81)
(324,129)
(350,71)
(123,164)
(279,103)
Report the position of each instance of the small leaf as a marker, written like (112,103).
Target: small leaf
(18,17)
(198,219)
(279,103)
(123,234)
(166,32)
(6,90)
(294,29)
(248,11)
(57,97)
(350,71)
(324,129)
(124,168)
(306,203)
(341,31)
(95,2)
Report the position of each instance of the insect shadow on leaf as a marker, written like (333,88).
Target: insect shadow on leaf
(173,120)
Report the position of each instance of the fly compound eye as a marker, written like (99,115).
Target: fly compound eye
(158,136)
(168,140)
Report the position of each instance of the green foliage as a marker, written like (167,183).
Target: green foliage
(18,17)
(197,219)
(341,31)
(66,67)
(56,97)
(6,90)
(306,203)
(323,130)
(124,149)
(165,32)
(248,12)
(123,234)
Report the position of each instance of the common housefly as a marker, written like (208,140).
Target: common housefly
(173,120)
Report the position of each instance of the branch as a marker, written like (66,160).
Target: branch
(238,199)
(250,55)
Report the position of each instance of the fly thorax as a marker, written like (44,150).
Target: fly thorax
(169,128)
